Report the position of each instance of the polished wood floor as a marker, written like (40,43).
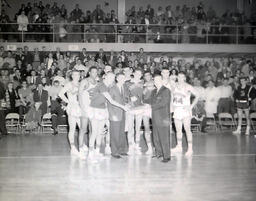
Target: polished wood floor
(39,168)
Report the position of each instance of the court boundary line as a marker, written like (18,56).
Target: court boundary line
(132,156)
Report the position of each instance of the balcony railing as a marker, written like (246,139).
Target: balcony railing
(128,33)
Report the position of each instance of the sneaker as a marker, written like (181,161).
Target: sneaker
(189,152)
(107,150)
(74,152)
(247,132)
(237,132)
(137,149)
(131,149)
(149,151)
(91,158)
(177,149)
(83,153)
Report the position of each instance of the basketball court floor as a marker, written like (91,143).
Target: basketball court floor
(39,168)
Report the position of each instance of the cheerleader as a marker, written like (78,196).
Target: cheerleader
(241,96)
(73,109)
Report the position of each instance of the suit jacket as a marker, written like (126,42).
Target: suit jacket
(116,113)
(160,103)
(43,98)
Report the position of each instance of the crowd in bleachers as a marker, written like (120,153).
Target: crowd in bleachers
(182,24)
(33,79)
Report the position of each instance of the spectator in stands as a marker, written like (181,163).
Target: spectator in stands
(60,78)
(4,19)
(140,14)
(25,95)
(101,54)
(3,130)
(84,56)
(212,96)
(62,63)
(28,57)
(33,117)
(5,79)
(53,70)
(24,8)
(47,10)
(49,60)
(225,104)
(62,33)
(9,60)
(131,13)
(79,66)
(63,12)
(33,77)
(98,13)
(22,21)
(150,12)
(12,99)
(58,114)
(40,95)
(76,13)
(17,78)
(40,6)
(55,9)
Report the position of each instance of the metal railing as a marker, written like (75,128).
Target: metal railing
(128,33)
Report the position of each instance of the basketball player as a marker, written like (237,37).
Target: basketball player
(182,110)
(135,87)
(73,109)
(86,85)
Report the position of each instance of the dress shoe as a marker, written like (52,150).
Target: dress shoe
(154,156)
(55,132)
(124,154)
(166,160)
(116,156)
(159,156)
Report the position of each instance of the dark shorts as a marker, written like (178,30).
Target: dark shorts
(243,105)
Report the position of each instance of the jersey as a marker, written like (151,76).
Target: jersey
(181,102)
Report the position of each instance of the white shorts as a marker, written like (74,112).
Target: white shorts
(181,113)
(97,113)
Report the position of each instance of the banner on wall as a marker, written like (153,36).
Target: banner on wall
(73,48)
(11,47)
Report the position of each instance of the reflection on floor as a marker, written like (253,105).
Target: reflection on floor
(35,168)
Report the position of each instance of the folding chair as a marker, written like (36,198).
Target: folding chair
(63,128)
(253,120)
(46,123)
(211,122)
(195,127)
(226,120)
(12,122)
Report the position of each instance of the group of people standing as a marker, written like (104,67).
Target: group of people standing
(110,110)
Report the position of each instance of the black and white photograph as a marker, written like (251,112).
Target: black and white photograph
(128,100)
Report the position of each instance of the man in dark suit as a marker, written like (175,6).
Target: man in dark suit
(118,139)
(3,129)
(160,103)
(41,95)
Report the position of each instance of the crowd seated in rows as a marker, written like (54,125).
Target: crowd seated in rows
(32,79)
(182,24)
